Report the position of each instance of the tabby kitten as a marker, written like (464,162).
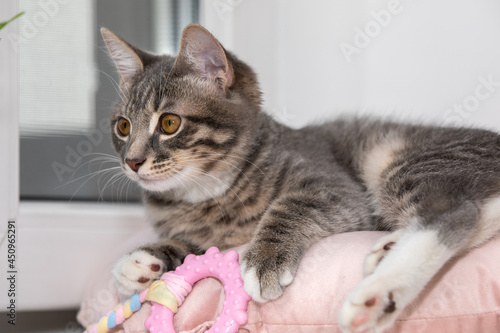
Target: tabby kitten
(217,171)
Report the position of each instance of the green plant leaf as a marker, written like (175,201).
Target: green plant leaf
(3,24)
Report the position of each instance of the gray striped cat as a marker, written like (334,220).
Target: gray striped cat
(218,171)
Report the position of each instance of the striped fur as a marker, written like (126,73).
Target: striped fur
(232,175)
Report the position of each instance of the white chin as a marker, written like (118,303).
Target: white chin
(158,185)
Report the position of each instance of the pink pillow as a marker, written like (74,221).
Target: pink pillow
(464,297)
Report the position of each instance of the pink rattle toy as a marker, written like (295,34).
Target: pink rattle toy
(168,293)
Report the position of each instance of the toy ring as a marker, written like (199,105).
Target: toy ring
(168,293)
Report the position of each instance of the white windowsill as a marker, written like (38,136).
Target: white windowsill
(62,247)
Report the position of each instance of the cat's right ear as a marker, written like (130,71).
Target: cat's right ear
(126,57)
(200,53)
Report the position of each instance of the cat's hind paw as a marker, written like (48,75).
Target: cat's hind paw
(367,312)
(379,251)
(136,271)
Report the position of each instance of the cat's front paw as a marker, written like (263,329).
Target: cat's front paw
(136,271)
(266,273)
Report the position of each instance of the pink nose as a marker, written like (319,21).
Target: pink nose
(134,164)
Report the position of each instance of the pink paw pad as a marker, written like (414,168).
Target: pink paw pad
(360,319)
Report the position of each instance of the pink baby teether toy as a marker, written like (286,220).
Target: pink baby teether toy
(168,293)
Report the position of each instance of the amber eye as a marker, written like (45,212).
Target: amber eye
(170,123)
(123,127)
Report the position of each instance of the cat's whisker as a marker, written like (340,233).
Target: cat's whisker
(223,155)
(102,157)
(126,186)
(110,182)
(201,158)
(88,163)
(122,180)
(225,184)
(179,180)
(101,160)
(116,85)
(109,157)
(112,102)
(104,154)
(194,179)
(91,176)
(160,88)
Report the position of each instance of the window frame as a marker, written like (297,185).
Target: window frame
(9,106)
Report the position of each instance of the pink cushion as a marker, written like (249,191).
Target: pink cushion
(465,297)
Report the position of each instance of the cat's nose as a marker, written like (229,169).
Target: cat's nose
(135,163)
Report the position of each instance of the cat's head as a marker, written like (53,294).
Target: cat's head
(183,123)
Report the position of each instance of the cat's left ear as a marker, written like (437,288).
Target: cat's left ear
(126,57)
(202,54)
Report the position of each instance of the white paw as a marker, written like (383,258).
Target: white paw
(369,309)
(286,278)
(252,284)
(136,271)
(379,251)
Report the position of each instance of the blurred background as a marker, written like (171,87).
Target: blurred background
(427,61)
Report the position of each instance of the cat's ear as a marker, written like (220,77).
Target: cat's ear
(202,54)
(127,60)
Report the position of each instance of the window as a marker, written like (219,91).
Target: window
(68,86)
(57,78)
